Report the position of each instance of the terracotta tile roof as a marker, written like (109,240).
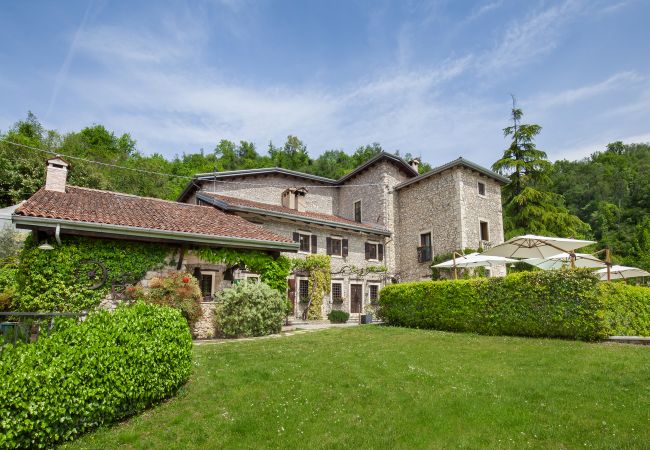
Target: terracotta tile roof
(300,215)
(113,208)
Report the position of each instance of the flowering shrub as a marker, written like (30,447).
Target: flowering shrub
(250,309)
(179,290)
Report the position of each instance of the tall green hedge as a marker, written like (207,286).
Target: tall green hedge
(103,369)
(51,280)
(567,304)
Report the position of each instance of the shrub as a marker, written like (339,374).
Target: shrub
(338,316)
(627,309)
(565,304)
(250,309)
(178,290)
(101,370)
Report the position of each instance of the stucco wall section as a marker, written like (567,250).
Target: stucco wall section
(269,188)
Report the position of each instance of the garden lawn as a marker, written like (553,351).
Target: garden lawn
(381,387)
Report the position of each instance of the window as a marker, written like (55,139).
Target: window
(485,234)
(374,251)
(357,211)
(481,188)
(373,292)
(337,293)
(303,291)
(425,250)
(337,246)
(308,242)
(206,283)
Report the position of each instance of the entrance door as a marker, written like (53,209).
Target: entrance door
(355,298)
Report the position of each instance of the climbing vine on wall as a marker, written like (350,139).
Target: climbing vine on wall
(272,270)
(318,268)
(51,280)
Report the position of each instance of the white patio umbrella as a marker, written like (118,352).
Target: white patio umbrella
(474,260)
(532,246)
(622,273)
(582,260)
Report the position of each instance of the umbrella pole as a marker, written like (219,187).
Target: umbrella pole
(608,261)
(572,258)
(455,270)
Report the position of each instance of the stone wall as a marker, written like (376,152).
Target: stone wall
(430,205)
(269,188)
(356,257)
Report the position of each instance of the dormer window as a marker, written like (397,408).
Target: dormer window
(357,211)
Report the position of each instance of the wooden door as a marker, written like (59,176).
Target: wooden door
(356,291)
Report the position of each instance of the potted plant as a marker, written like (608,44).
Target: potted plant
(366,316)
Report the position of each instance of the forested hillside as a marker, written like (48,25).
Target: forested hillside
(605,196)
(610,190)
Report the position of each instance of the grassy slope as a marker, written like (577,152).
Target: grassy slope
(376,387)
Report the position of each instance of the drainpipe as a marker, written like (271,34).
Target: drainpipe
(57,234)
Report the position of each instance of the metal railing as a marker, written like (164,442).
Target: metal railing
(27,326)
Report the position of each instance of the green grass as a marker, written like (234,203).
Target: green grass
(380,387)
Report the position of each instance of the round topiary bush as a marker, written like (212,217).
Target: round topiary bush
(250,309)
(338,316)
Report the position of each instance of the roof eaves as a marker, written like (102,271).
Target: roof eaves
(457,162)
(130,231)
(230,207)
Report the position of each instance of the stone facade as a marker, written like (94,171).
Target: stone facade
(447,205)
(269,188)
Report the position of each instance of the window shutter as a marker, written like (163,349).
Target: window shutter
(314,243)
(328,245)
(367,251)
(296,237)
(380,252)
(292,290)
(344,250)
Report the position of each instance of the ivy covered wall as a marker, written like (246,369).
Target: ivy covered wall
(56,280)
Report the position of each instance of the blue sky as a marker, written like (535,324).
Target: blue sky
(430,78)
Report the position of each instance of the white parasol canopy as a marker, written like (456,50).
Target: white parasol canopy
(582,260)
(622,273)
(474,260)
(532,246)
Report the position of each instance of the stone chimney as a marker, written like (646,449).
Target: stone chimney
(415,163)
(56,175)
(294,198)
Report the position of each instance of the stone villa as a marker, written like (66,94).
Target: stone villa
(380,223)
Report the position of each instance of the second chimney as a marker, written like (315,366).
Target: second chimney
(56,175)
(415,163)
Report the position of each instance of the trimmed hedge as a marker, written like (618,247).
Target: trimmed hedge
(101,370)
(567,304)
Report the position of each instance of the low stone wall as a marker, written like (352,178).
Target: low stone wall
(204,328)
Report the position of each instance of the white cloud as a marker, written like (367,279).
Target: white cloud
(527,40)
(622,80)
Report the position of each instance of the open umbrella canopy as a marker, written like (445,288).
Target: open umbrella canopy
(475,260)
(531,246)
(622,273)
(582,260)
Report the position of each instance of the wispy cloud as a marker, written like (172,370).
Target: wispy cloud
(526,40)
(570,96)
(65,67)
